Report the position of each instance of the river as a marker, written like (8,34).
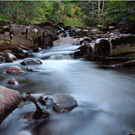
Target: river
(105,97)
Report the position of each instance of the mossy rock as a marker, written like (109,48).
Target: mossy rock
(123,40)
(17,50)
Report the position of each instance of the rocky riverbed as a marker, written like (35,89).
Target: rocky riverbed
(30,46)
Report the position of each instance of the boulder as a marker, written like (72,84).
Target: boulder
(86,40)
(31,62)
(47,41)
(9,99)
(13,81)
(21,53)
(96,31)
(37,49)
(3,23)
(1,59)
(9,57)
(122,44)
(84,51)
(14,70)
(102,47)
(24,47)
(63,102)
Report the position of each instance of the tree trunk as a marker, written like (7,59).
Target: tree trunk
(103,7)
(99,7)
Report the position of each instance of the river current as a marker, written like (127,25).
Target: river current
(105,97)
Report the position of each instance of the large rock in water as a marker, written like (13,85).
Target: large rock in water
(9,57)
(31,62)
(13,81)
(20,53)
(63,102)
(9,99)
(14,70)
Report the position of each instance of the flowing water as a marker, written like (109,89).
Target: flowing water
(106,97)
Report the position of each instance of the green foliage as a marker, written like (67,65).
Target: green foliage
(67,9)
(40,11)
(56,6)
(55,18)
(91,15)
(77,12)
(122,11)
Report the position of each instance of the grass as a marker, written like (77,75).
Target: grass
(73,21)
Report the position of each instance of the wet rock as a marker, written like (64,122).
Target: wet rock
(37,49)
(122,39)
(3,23)
(122,44)
(14,81)
(9,57)
(133,133)
(84,51)
(63,102)
(24,47)
(14,70)
(62,34)
(9,99)
(1,59)
(47,41)
(102,47)
(20,53)
(16,34)
(96,31)
(32,69)
(84,41)
(31,62)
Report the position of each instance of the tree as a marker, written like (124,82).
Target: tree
(122,11)
(92,13)
(16,9)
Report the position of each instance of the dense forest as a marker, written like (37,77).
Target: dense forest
(82,13)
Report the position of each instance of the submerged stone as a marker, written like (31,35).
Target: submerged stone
(31,62)
(63,102)
(32,69)
(13,81)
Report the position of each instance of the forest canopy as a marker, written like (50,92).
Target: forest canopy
(84,13)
